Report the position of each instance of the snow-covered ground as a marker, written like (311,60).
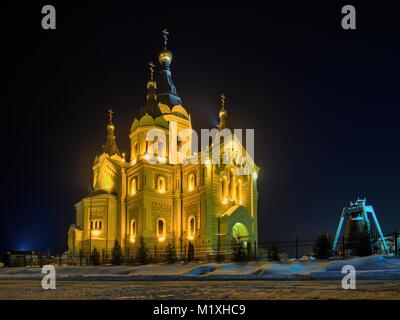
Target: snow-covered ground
(377,278)
(372,267)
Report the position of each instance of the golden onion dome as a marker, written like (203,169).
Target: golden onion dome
(165,56)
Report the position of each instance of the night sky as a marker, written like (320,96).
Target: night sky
(324,103)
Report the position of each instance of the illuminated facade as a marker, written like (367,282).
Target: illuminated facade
(205,204)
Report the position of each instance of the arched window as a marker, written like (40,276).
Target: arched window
(155,146)
(95,227)
(178,144)
(224,190)
(161,184)
(191,228)
(160,230)
(96,224)
(239,188)
(232,184)
(132,231)
(191,181)
(133,186)
(107,182)
(135,149)
(160,148)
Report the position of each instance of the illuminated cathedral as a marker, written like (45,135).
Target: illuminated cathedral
(206,204)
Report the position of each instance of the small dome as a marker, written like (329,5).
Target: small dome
(135,124)
(146,120)
(164,108)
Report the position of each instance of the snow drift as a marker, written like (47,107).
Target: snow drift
(372,267)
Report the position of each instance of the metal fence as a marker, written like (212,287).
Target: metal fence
(296,249)
(286,250)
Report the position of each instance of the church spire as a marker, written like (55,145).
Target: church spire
(167,91)
(151,105)
(223,114)
(111,145)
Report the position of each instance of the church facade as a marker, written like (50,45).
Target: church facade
(206,204)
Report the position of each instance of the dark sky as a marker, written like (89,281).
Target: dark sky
(324,103)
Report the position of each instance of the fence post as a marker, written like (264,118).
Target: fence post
(396,246)
(343,248)
(297,249)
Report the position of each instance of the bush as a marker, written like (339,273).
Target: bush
(171,252)
(142,252)
(95,257)
(323,247)
(238,250)
(190,254)
(273,253)
(117,254)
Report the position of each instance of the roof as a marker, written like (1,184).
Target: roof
(231,210)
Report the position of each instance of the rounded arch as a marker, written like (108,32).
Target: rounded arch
(239,230)
(191,181)
(232,183)
(133,230)
(191,227)
(224,188)
(241,216)
(134,186)
(239,191)
(161,184)
(160,229)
